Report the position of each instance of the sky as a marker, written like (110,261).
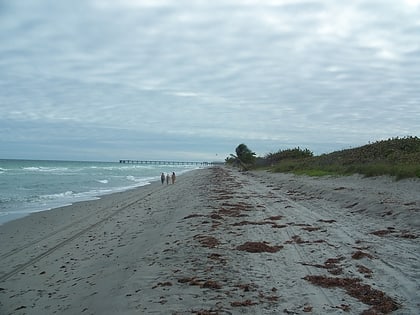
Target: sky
(191,79)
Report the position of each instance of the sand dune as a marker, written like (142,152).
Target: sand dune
(221,242)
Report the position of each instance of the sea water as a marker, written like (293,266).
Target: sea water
(28,186)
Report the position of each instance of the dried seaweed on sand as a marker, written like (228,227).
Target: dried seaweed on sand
(258,247)
(207,241)
(243,303)
(379,300)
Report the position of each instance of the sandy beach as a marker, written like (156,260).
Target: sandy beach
(220,241)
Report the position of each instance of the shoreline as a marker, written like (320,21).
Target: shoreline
(18,215)
(35,186)
(218,241)
(77,211)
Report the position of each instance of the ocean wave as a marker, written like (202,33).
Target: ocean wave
(132,178)
(45,169)
(34,186)
(31,168)
(5,200)
(68,193)
(73,196)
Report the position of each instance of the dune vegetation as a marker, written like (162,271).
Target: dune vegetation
(398,157)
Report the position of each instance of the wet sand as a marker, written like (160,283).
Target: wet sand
(221,242)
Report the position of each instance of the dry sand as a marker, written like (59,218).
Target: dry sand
(221,242)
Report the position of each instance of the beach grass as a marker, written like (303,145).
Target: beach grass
(397,157)
(399,171)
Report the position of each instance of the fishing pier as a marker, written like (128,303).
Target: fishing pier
(164,162)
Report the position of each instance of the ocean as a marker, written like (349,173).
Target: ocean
(28,186)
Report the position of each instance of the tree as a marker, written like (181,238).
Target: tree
(245,154)
(244,157)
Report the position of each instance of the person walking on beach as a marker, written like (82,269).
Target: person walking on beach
(173,177)
(162,178)
(167,179)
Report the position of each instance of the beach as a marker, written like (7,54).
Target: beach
(220,241)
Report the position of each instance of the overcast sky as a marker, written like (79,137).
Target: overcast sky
(192,79)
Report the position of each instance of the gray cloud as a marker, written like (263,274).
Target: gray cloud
(180,74)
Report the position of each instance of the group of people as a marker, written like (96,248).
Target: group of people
(168,178)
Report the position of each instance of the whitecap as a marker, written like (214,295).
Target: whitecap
(32,168)
(45,169)
(130,177)
(68,193)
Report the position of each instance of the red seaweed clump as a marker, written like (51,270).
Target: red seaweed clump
(380,302)
(243,303)
(207,241)
(359,255)
(258,247)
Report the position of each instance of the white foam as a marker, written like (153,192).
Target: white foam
(45,169)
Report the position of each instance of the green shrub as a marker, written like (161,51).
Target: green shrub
(398,157)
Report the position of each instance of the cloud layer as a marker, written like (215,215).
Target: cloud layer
(192,79)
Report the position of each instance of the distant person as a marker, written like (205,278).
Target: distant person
(173,177)
(167,179)
(162,178)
